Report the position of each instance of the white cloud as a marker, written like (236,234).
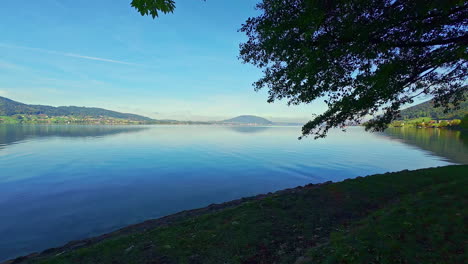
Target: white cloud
(94,58)
(67,54)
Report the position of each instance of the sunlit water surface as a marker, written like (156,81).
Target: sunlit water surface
(62,183)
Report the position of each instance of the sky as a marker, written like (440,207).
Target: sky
(103,53)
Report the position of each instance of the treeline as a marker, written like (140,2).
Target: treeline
(427,109)
(421,122)
(39,119)
(425,122)
(10,108)
(44,119)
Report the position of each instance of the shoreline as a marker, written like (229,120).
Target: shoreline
(302,225)
(157,222)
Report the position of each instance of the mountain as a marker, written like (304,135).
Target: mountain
(427,109)
(9,107)
(248,119)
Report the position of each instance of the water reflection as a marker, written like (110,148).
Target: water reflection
(58,186)
(450,144)
(248,129)
(12,134)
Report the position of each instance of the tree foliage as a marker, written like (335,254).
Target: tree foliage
(443,123)
(363,57)
(455,122)
(10,108)
(427,109)
(464,122)
(153,7)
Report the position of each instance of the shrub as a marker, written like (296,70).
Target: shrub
(443,123)
(455,122)
(464,122)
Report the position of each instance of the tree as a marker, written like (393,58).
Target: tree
(443,123)
(397,124)
(153,7)
(362,57)
(464,122)
(455,122)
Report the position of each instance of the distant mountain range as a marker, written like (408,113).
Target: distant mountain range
(248,119)
(9,107)
(15,110)
(427,109)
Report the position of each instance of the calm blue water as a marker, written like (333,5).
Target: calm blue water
(62,183)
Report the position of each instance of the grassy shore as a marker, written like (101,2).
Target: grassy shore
(405,217)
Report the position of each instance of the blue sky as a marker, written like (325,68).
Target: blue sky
(103,53)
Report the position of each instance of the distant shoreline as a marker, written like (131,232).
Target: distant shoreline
(149,124)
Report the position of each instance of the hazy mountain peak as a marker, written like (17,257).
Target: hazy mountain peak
(248,119)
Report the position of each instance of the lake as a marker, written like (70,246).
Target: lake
(62,183)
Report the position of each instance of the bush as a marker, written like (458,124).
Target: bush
(397,124)
(464,122)
(455,122)
(443,123)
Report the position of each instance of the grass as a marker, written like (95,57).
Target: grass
(426,227)
(405,217)
(8,120)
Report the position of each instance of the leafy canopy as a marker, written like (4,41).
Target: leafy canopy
(363,57)
(153,7)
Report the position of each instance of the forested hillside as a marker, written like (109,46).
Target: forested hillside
(427,109)
(9,108)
